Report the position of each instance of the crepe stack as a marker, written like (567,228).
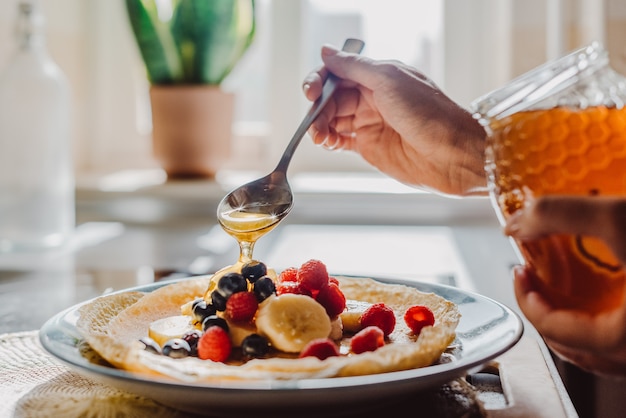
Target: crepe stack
(113,325)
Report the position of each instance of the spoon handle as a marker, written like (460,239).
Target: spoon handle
(330,85)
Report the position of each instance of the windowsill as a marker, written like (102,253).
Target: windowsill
(146,196)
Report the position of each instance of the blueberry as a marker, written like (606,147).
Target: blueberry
(214,320)
(255,345)
(201,310)
(176,348)
(264,288)
(192,337)
(151,345)
(253,270)
(231,283)
(195,302)
(218,301)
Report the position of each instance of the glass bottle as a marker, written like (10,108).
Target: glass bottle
(36,171)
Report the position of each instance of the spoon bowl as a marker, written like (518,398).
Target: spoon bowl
(261,204)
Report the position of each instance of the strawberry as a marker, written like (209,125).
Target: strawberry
(321,348)
(379,315)
(313,275)
(332,299)
(292,287)
(288,275)
(418,317)
(368,339)
(241,306)
(214,344)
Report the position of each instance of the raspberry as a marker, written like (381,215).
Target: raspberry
(214,345)
(418,317)
(292,287)
(332,279)
(332,299)
(242,306)
(379,315)
(321,348)
(313,275)
(288,275)
(368,339)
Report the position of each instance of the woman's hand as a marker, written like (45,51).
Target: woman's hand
(596,343)
(400,122)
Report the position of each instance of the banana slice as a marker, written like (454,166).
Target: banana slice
(238,332)
(336,329)
(351,316)
(290,321)
(165,329)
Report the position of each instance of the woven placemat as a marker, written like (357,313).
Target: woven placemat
(33,384)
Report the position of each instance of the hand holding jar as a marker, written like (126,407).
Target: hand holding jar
(595,342)
(556,166)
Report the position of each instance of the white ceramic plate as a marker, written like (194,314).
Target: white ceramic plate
(486,330)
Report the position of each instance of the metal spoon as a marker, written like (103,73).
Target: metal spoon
(259,205)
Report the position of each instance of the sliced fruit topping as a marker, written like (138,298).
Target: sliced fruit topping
(214,345)
(322,348)
(290,321)
(368,339)
(336,329)
(418,317)
(351,316)
(241,306)
(332,299)
(379,315)
(238,331)
(312,275)
(164,329)
(255,346)
(253,270)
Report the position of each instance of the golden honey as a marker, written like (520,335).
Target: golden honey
(566,151)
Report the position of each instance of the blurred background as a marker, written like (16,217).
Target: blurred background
(467,47)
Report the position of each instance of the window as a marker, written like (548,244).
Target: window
(467,47)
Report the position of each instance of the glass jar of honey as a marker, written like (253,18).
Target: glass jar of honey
(560,129)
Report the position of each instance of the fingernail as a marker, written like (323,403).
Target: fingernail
(329,50)
(306,87)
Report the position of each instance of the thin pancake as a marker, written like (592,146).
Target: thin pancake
(129,318)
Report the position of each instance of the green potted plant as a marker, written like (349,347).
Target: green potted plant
(189,47)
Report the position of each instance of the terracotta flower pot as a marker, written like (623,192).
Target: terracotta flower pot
(191,129)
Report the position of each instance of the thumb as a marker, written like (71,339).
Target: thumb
(348,66)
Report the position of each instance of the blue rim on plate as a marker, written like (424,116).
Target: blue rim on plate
(486,330)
